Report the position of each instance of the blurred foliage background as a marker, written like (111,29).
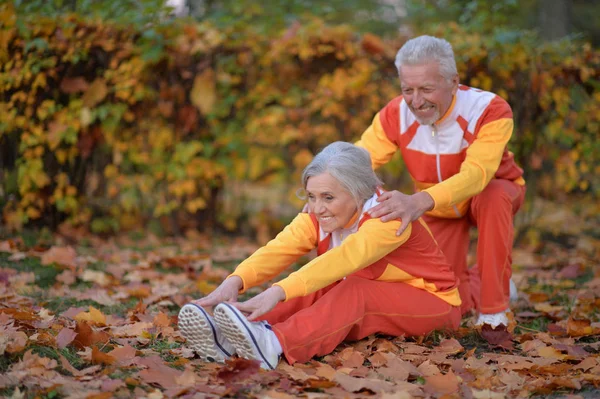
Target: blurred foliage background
(122,114)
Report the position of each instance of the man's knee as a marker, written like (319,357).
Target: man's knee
(498,194)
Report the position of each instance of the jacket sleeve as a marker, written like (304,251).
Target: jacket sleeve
(373,240)
(482,159)
(297,239)
(379,138)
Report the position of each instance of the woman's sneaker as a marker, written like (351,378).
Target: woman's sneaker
(203,335)
(251,340)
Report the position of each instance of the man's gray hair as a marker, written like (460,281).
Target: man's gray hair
(424,49)
(349,165)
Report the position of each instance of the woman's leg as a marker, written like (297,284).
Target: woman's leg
(356,308)
(284,310)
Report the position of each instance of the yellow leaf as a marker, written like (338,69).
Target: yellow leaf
(94,316)
(204,93)
(95,93)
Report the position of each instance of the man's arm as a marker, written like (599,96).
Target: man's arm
(378,139)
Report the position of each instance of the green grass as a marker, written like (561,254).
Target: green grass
(45,276)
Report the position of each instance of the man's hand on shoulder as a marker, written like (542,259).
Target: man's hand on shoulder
(396,205)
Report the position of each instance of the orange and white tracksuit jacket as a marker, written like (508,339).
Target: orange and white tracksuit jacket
(366,247)
(453,159)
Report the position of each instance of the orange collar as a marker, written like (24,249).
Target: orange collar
(352,220)
(448,111)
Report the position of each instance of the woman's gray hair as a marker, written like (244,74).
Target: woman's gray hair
(349,165)
(424,49)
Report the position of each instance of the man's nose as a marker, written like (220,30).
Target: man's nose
(417,99)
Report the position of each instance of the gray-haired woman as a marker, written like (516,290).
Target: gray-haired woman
(365,279)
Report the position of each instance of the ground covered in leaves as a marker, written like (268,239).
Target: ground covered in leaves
(85,317)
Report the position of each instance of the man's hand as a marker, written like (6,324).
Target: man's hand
(226,292)
(262,303)
(408,208)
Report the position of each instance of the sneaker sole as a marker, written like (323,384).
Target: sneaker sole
(201,334)
(234,326)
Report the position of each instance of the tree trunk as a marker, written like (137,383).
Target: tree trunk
(554,18)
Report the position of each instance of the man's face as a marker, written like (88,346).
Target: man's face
(427,93)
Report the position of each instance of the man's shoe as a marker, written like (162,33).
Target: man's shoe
(204,335)
(494,320)
(252,340)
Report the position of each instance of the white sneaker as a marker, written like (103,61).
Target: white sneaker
(514,293)
(494,319)
(203,334)
(252,340)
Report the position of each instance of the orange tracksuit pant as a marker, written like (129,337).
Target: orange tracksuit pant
(354,308)
(485,286)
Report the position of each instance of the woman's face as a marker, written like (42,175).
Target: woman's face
(329,201)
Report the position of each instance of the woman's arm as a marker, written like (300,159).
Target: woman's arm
(297,239)
(371,242)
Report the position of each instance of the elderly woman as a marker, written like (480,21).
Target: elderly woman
(365,279)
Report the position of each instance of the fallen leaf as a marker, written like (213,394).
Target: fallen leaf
(123,355)
(94,317)
(353,384)
(450,346)
(87,336)
(238,369)
(99,357)
(498,336)
(64,256)
(65,337)
(441,383)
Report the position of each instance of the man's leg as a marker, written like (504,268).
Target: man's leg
(452,235)
(356,308)
(492,211)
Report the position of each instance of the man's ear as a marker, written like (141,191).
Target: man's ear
(455,82)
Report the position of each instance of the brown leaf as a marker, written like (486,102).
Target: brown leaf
(124,355)
(320,383)
(428,369)
(238,369)
(73,85)
(161,320)
(64,256)
(572,271)
(352,384)
(87,336)
(498,336)
(441,383)
(158,372)
(99,357)
(378,360)
(450,346)
(188,378)
(65,337)
(351,358)
(579,328)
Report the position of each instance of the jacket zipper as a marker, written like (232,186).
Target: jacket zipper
(438,160)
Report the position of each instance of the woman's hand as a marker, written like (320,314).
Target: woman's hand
(226,292)
(262,303)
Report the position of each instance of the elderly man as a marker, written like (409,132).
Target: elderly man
(453,141)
